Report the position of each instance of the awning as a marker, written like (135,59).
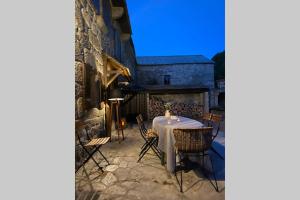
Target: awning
(112,69)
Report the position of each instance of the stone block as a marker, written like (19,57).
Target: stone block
(79,71)
(95,29)
(87,18)
(80,107)
(94,40)
(78,49)
(83,2)
(79,91)
(84,41)
(78,18)
(89,58)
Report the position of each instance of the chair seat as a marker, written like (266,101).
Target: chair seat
(151,133)
(98,141)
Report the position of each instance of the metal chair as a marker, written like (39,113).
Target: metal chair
(93,142)
(215,122)
(193,141)
(150,137)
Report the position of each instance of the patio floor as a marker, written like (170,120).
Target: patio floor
(125,179)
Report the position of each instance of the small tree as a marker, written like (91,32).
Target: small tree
(219,60)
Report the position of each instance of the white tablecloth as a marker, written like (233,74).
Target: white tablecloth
(166,139)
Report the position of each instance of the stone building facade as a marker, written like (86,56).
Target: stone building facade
(182,70)
(101,27)
(189,79)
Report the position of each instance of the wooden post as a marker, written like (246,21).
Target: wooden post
(116,106)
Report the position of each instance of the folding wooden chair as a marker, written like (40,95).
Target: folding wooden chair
(95,142)
(215,122)
(150,137)
(193,141)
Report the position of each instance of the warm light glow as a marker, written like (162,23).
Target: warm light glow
(116,99)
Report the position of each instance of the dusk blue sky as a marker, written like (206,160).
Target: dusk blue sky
(177,27)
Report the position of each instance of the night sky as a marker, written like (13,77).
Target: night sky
(177,27)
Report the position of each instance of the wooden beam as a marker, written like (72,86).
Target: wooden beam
(113,78)
(114,71)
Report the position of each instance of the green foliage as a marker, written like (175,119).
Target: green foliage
(168,106)
(219,60)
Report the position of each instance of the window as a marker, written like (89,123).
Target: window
(167,79)
(96,4)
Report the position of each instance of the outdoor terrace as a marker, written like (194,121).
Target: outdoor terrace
(125,178)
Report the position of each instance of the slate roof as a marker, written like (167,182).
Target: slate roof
(167,60)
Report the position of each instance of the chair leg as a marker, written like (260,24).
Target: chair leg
(147,143)
(90,155)
(154,148)
(97,164)
(143,145)
(216,153)
(150,143)
(103,156)
(141,156)
(181,177)
(212,166)
(181,169)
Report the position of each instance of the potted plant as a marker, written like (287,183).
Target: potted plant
(168,108)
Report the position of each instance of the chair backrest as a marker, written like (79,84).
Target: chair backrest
(79,127)
(141,125)
(141,117)
(193,140)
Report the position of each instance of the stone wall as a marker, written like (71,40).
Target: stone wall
(128,57)
(186,105)
(180,74)
(96,33)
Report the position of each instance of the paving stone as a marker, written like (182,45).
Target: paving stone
(116,190)
(130,184)
(109,179)
(116,161)
(122,173)
(123,164)
(132,164)
(136,194)
(99,186)
(105,197)
(111,168)
(135,175)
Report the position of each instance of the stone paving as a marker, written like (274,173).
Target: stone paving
(126,179)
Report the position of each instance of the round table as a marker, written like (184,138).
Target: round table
(164,127)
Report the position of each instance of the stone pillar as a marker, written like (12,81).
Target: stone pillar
(206,102)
